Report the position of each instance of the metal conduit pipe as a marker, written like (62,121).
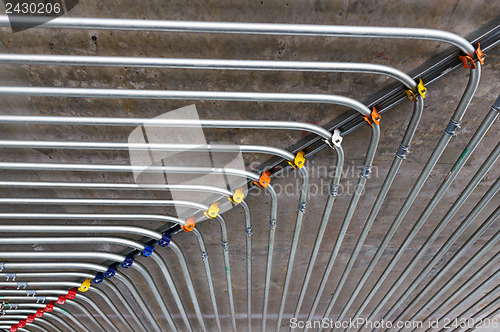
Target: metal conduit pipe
(13,316)
(64,313)
(326,135)
(90,216)
(279,152)
(249,232)
(223,64)
(87,313)
(41,328)
(485,309)
(208,273)
(147,203)
(45,314)
(101,256)
(249,175)
(80,275)
(400,156)
(62,292)
(94,267)
(183,123)
(492,262)
(187,277)
(277,29)
(247,28)
(125,242)
(477,178)
(186,95)
(443,142)
(474,294)
(481,131)
(19,329)
(480,303)
(35,284)
(87,266)
(367,165)
(453,261)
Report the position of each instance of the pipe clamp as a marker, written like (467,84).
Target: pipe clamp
(41,299)
(249,231)
(30,292)
(225,245)
(468,61)
(264,180)
(213,211)
(189,225)
(374,118)
(421,89)
(9,276)
(238,196)
(204,255)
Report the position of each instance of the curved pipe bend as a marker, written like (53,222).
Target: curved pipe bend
(222,64)
(249,28)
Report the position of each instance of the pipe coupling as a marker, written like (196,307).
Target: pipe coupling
(334,189)
(402,151)
(9,276)
(22,284)
(30,292)
(249,231)
(452,128)
(225,245)
(204,255)
(302,206)
(273,223)
(365,172)
(496,105)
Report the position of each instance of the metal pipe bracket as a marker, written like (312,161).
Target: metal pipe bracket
(302,206)
(22,284)
(468,61)
(375,118)
(273,222)
(421,89)
(365,172)
(402,151)
(452,128)
(249,231)
(334,189)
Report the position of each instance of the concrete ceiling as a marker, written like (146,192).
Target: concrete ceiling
(460,17)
